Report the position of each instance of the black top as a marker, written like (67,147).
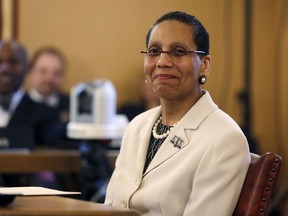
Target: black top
(155,144)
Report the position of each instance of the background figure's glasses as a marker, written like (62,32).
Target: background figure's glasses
(176,55)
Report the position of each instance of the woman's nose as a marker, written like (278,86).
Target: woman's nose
(164,60)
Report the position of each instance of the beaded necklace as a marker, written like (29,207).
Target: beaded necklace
(163,135)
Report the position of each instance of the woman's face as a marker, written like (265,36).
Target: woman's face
(170,79)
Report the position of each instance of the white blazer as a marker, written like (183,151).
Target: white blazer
(201,174)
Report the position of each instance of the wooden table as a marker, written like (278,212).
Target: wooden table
(68,161)
(56,205)
(55,160)
(40,160)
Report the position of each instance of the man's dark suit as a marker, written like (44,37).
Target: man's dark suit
(28,124)
(64,103)
(57,135)
(27,128)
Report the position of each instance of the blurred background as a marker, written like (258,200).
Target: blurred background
(103,39)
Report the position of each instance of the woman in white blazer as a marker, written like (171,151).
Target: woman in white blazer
(185,157)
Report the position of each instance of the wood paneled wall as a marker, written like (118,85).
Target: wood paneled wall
(102,39)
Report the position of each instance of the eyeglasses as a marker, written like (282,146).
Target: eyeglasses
(176,55)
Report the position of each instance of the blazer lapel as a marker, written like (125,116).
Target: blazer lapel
(144,139)
(179,137)
(175,142)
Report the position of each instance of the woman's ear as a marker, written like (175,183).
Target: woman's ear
(205,68)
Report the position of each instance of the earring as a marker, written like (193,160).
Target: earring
(202,79)
(146,81)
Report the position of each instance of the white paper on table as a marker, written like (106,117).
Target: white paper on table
(33,191)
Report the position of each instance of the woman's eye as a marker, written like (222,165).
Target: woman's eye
(154,52)
(179,52)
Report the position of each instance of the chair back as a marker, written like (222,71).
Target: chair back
(259,185)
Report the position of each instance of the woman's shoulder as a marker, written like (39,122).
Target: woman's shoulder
(224,118)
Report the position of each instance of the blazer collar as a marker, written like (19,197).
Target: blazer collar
(177,139)
(199,112)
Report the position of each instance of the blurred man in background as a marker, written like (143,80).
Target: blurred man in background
(46,78)
(23,123)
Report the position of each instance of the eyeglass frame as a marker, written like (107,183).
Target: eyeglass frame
(170,53)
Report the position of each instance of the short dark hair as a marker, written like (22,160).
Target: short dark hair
(17,48)
(199,34)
